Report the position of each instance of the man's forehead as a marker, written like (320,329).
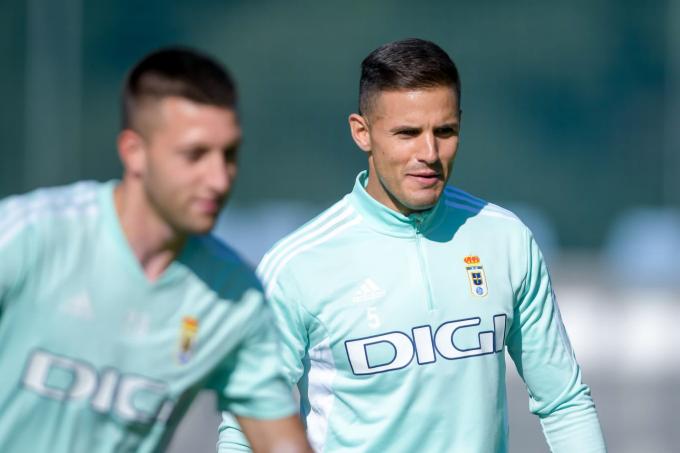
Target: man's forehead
(415,103)
(155,113)
(184,107)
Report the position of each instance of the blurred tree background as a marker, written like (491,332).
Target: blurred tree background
(565,103)
(570,118)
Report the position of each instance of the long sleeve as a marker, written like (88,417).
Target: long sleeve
(540,348)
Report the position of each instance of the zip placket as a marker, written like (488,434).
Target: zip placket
(422,262)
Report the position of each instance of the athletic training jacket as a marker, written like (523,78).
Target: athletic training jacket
(395,329)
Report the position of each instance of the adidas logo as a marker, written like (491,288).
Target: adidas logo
(78,306)
(369,290)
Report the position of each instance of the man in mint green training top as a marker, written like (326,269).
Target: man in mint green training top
(117,307)
(397,303)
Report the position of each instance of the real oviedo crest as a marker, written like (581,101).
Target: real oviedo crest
(476,276)
(187,338)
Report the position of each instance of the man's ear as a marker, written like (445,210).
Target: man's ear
(132,152)
(358,125)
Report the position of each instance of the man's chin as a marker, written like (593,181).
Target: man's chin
(417,206)
(425,201)
(199,226)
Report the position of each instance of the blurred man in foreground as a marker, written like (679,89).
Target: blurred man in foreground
(398,302)
(116,305)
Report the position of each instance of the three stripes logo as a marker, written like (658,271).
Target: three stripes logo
(329,224)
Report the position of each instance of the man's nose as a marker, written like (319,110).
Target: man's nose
(429,148)
(220,173)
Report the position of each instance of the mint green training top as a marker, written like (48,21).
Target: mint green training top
(395,329)
(94,357)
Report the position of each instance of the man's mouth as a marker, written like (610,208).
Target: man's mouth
(208,205)
(425,177)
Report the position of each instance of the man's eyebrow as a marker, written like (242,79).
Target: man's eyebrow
(404,127)
(451,124)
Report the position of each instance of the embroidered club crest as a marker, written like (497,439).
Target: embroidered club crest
(476,276)
(187,338)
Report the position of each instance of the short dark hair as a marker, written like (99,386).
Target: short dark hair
(176,71)
(407,64)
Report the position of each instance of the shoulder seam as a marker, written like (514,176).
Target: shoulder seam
(269,277)
(318,225)
(41,201)
(35,212)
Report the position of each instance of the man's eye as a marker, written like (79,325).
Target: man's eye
(446,132)
(408,132)
(193,155)
(230,154)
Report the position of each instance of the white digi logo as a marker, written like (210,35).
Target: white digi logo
(108,391)
(424,345)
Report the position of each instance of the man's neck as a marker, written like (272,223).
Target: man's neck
(154,243)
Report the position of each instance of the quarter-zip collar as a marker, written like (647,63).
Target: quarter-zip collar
(387,221)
